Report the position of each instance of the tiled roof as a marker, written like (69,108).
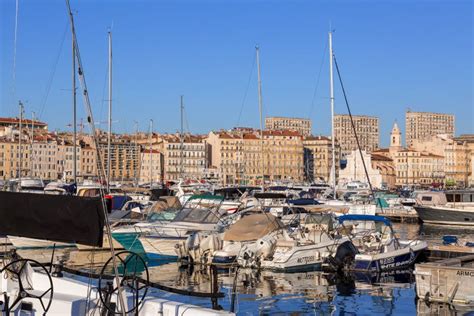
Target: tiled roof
(15,120)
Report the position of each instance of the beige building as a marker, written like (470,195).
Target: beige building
(65,160)
(367,128)
(414,168)
(459,152)
(184,159)
(9,158)
(88,169)
(423,125)
(302,126)
(242,156)
(26,123)
(44,160)
(318,158)
(226,156)
(386,167)
(124,155)
(151,166)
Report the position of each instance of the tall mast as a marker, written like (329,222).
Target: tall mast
(151,160)
(19,140)
(181,136)
(31,145)
(261,114)
(331,88)
(74,112)
(135,173)
(110,113)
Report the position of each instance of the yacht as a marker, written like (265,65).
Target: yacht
(446,208)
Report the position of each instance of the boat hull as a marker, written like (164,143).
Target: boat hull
(445,215)
(386,263)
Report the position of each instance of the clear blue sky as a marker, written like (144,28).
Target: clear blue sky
(393,55)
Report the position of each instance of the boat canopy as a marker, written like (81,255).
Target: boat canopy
(368,218)
(252,227)
(269,195)
(61,218)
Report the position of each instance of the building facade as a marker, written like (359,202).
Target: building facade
(318,158)
(151,166)
(423,125)
(184,158)
(245,157)
(367,128)
(414,168)
(300,125)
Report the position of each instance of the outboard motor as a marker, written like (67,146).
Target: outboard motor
(343,258)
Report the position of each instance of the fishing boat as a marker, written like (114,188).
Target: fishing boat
(378,248)
(446,208)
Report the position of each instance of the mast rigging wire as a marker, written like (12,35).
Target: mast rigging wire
(14,53)
(317,82)
(246,91)
(53,72)
(354,130)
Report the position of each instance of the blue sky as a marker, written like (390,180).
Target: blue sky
(393,55)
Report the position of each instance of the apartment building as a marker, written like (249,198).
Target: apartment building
(124,155)
(367,128)
(184,158)
(244,157)
(318,158)
(300,125)
(10,158)
(226,156)
(151,166)
(423,125)
(415,168)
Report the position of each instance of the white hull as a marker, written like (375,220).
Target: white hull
(70,298)
(25,243)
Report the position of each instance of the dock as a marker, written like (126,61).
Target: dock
(438,252)
(399,215)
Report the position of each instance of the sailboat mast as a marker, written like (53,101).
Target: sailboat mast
(257,50)
(151,160)
(31,145)
(110,113)
(331,88)
(19,140)
(181,169)
(74,112)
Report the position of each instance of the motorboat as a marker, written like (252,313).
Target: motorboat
(446,208)
(261,240)
(26,185)
(201,213)
(378,249)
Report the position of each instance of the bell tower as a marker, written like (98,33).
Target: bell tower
(395,138)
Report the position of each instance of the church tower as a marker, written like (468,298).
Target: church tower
(395,139)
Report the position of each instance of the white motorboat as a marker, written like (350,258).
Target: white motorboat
(378,248)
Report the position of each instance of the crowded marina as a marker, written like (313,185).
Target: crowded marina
(284,231)
(264,215)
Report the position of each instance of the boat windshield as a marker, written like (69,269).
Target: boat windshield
(196,215)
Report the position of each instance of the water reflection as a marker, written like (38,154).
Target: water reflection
(251,292)
(316,293)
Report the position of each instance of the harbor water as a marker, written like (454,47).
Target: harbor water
(252,292)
